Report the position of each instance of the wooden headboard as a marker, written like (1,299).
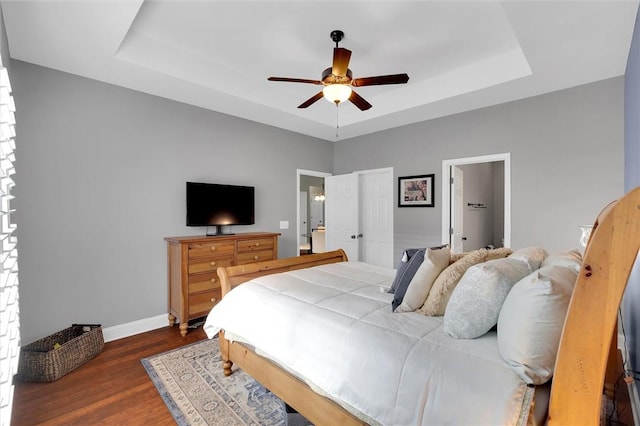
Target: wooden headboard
(588,333)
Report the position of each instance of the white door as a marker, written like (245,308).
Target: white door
(303,230)
(341,214)
(376,217)
(457,210)
(359,215)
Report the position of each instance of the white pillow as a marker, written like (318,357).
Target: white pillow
(570,258)
(476,301)
(532,255)
(435,261)
(531,321)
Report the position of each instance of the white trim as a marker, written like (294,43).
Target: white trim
(446,191)
(135,327)
(300,172)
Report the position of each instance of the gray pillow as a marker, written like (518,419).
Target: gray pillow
(404,276)
(404,263)
(435,260)
(476,301)
(531,321)
(569,258)
(534,256)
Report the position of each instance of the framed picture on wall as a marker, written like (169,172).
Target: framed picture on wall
(416,191)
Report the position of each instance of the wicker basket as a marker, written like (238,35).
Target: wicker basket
(50,358)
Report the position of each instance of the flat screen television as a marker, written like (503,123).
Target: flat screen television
(216,205)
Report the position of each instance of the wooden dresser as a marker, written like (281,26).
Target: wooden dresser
(194,286)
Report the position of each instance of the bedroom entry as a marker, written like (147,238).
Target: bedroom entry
(359,215)
(476,206)
(311,209)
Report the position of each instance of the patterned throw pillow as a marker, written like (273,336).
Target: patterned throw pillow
(476,302)
(498,253)
(447,280)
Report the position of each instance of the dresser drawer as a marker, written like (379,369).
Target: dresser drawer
(203,282)
(256,244)
(201,304)
(255,256)
(211,248)
(209,264)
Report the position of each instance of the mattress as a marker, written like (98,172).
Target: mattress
(333,327)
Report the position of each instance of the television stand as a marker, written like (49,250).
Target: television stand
(218,232)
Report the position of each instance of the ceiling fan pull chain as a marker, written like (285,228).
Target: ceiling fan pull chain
(337,122)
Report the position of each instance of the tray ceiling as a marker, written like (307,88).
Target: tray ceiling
(460,55)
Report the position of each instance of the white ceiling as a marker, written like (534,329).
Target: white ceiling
(459,55)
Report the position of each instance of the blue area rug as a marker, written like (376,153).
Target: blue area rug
(192,384)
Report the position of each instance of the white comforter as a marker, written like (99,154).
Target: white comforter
(333,327)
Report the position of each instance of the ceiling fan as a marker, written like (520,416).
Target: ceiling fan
(338,81)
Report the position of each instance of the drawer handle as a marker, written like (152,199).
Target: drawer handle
(213,263)
(257,244)
(213,299)
(256,257)
(213,280)
(213,248)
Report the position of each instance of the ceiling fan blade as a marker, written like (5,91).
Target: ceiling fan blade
(359,101)
(294,80)
(341,57)
(311,100)
(380,80)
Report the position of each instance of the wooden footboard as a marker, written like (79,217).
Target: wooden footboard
(314,407)
(234,275)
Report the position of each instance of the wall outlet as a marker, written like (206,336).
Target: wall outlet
(284,224)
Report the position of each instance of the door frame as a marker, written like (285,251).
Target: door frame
(300,172)
(446,191)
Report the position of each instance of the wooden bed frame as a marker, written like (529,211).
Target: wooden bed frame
(588,346)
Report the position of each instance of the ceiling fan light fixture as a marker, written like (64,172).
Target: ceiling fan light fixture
(336,93)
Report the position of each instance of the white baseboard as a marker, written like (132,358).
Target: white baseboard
(135,327)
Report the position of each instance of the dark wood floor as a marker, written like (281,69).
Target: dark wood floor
(111,389)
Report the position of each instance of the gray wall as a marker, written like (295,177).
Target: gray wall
(631,313)
(100,182)
(4,45)
(101,172)
(566,150)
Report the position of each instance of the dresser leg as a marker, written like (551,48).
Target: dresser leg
(172,320)
(183,328)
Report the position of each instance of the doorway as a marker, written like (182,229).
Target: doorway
(310,211)
(456,204)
